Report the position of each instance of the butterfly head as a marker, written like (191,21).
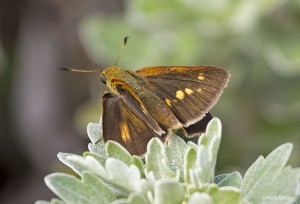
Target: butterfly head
(111,75)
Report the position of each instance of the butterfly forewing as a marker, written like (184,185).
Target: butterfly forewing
(189,91)
(123,124)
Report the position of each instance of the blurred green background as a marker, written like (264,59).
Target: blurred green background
(44,111)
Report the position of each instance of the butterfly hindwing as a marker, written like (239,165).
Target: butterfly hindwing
(189,91)
(199,127)
(125,125)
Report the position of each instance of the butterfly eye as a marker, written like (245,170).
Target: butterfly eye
(103,78)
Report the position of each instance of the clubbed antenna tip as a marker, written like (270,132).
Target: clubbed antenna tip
(123,47)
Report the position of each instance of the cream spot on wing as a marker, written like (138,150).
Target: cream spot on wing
(124,132)
(199,90)
(201,77)
(168,102)
(188,91)
(180,94)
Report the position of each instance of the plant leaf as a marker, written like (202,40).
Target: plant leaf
(98,157)
(42,202)
(202,198)
(137,161)
(85,163)
(175,151)
(219,178)
(189,163)
(56,201)
(90,189)
(64,158)
(268,177)
(213,130)
(122,175)
(207,149)
(134,198)
(232,179)
(225,195)
(98,148)
(94,132)
(116,150)
(53,201)
(167,191)
(156,160)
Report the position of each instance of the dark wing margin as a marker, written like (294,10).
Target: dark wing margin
(123,124)
(189,91)
(198,127)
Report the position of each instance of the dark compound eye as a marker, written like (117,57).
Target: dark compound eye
(103,78)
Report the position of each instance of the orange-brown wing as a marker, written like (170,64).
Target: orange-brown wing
(125,124)
(190,91)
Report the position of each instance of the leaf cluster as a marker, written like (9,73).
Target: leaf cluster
(177,172)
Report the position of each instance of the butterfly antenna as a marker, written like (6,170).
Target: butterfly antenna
(80,70)
(122,48)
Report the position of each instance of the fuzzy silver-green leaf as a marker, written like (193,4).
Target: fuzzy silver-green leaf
(115,150)
(156,160)
(175,151)
(94,132)
(90,189)
(232,179)
(167,191)
(269,178)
